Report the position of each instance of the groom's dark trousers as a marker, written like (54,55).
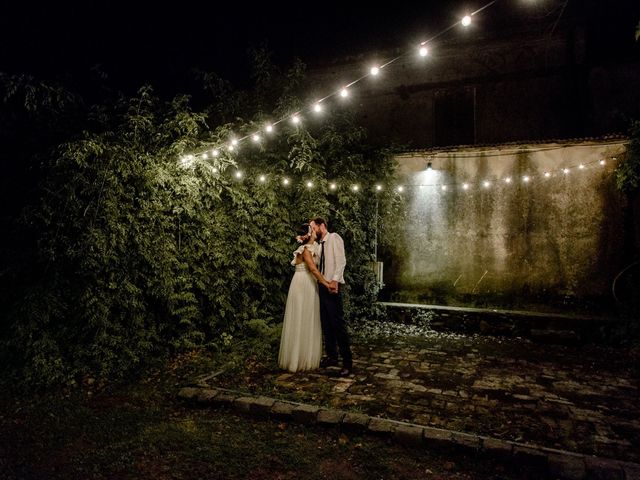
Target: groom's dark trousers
(333,326)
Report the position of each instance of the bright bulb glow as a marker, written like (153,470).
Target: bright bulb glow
(355,188)
(205,156)
(424,51)
(295,119)
(234,142)
(215,170)
(230,148)
(565,171)
(444,187)
(215,152)
(547,174)
(256,137)
(285,181)
(344,93)
(466,21)
(333,186)
(465,186)
(269,128)
(486,184)
(375,71)
(525,178)
(309,184)
(507,180)
(401,188)
(378,187)
(238,174)
(263,178)
(602,162)
(317,107)
(581,166)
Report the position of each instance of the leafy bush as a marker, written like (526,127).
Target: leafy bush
(128,255)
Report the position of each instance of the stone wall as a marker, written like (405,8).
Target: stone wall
(552,241)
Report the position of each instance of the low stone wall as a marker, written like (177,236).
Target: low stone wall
(547,327)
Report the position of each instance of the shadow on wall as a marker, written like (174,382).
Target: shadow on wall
(534,227)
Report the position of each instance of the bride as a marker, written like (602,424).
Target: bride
(301,341)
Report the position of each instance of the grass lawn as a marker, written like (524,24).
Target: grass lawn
(140,430)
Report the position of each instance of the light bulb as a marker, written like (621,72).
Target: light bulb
(344,93)
(333,186)
(263,178)
(317,107)
(256,137)
(215,152)
(375,71)
(424,51)
(269,128)
(466,21)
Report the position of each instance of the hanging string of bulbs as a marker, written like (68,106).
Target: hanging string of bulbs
(233,143)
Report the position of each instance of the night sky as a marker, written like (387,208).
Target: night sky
(160,43)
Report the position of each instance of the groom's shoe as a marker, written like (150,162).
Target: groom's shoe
(328,362)
(346,371)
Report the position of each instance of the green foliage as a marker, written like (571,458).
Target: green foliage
(628,172)
(134,254)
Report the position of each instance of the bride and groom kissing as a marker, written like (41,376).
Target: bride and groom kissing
(314,303)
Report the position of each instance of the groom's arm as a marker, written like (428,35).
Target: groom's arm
(340,260)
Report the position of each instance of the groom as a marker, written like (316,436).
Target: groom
(332,263)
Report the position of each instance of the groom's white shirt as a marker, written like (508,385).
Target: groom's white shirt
(334,258)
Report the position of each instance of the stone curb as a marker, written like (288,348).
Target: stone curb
(560,463)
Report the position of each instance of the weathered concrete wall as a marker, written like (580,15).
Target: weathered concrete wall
(550,240)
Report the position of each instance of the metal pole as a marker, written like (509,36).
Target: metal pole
(375,236)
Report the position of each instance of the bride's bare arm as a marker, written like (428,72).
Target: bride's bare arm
(308,259)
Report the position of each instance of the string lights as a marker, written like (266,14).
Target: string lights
(258,137)
(344,92)
(444,187)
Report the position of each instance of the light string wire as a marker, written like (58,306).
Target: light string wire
(560,172)
(218,148)
(490,182)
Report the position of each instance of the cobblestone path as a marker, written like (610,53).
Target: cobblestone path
(583,399)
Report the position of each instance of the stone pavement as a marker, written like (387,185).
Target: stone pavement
(582,399)
(576,403)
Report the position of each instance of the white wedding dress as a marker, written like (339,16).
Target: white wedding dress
(301,341)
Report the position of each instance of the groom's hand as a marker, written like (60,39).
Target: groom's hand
(333,286)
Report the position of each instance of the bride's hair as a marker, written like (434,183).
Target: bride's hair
(304,233)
